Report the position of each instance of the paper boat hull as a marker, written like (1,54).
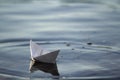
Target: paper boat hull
(48,58)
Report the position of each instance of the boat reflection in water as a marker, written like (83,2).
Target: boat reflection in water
(45,67)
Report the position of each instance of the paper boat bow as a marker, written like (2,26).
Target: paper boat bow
(39,54)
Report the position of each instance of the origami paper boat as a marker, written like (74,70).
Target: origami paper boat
(39,54)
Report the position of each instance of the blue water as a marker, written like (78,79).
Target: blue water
(67,25)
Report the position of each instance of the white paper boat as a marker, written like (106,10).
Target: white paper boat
(39,54)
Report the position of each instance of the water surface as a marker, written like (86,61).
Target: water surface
(67,25)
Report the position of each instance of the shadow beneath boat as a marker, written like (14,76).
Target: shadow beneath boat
(45,67)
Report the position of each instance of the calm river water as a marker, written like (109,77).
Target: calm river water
(87,32)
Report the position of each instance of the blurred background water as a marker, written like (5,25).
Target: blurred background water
(86,31)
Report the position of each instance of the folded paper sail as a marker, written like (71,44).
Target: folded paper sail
(39,54)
